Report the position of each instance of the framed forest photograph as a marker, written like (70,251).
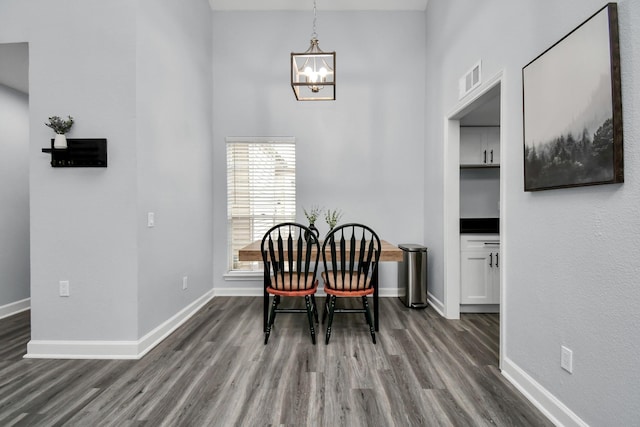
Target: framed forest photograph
(572,107)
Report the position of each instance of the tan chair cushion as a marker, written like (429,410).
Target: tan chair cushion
(292,284)
(349,282)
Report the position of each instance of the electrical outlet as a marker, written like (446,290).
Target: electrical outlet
(64,288)
(566,359)
(151,219)
(184,282)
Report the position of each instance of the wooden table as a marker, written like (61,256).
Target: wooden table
(388,253)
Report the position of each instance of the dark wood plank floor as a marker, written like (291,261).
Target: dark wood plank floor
(215,371)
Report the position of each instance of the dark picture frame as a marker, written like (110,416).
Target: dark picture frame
(572,108)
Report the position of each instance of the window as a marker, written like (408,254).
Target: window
(261,191)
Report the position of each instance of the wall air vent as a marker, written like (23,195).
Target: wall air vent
(470,80)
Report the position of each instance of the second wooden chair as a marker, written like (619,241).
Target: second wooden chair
(350,256)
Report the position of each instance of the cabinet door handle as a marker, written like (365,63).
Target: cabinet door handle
(485,156)
(491,156)
(491,260)
(496,260)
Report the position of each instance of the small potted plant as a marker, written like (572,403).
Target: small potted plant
(332,218)
(60,127)
(312,215)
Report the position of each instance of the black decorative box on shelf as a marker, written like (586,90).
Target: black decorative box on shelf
(80,153)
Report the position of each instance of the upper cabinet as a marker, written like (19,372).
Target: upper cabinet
(480,146)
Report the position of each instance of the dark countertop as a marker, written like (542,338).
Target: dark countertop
(479,225)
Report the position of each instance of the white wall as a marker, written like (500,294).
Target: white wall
(82,57)
(480,193)
(173,84)
(14,194)
(98,61)
(362,153)
(570,256)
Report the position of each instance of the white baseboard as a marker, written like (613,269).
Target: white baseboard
(557,412)
(436,304)
(15,308)
(156,336)
(479,308)
(253,291)
(42,349)
(389,292)
(256,291)
(47,349)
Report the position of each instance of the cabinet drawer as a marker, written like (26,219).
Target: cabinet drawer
(474,242)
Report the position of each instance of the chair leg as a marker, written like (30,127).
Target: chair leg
(326,308)
(272,317)
(307,301)
(367,313)
(332,306)
(315,307)
(274,312)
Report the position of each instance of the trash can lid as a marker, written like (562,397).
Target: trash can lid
(412,247)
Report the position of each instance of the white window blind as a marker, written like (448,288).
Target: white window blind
(261,191)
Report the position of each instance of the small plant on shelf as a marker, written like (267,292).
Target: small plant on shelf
(60,126)
(332,217)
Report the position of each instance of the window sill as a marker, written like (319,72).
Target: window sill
(243,275)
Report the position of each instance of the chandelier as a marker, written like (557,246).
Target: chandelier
(313,72)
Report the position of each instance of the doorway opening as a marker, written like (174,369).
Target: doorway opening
(478,182)
(15,262)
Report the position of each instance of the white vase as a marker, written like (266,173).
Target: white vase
(60,141)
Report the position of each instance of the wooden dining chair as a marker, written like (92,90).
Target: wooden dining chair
(350,255)
(290,253)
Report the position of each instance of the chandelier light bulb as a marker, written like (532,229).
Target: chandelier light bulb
(311,75)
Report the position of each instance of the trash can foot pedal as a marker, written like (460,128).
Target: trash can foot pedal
(419,305)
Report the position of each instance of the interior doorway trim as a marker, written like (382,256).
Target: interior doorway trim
(451,242)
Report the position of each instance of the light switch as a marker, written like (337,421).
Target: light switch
(151,219)
(64,288)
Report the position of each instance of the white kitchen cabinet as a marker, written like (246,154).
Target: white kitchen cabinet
(480,146)
(480,269)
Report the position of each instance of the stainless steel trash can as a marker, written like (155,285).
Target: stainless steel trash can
(412,275)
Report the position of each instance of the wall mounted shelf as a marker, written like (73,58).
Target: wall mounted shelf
(80,153)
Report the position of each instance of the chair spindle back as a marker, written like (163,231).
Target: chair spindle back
(289,248)
(350,255)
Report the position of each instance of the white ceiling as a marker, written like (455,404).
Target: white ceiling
(486,111)
(320,4)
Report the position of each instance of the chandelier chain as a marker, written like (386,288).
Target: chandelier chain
(314,35)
